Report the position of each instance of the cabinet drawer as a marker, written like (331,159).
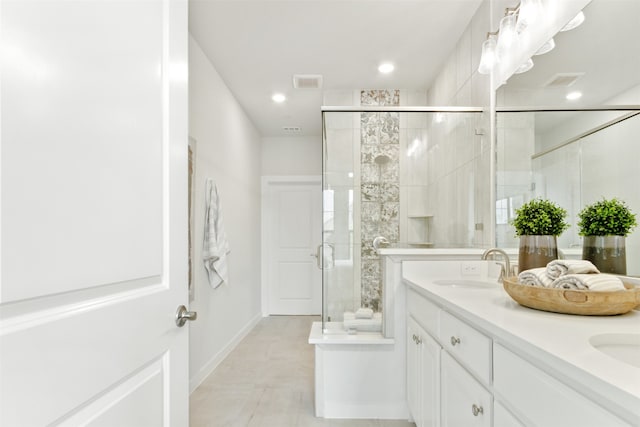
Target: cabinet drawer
(542,399)
(503,418)
(469,346)
(464,402)
(423,311)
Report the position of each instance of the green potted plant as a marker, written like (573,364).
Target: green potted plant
(538,223)
(605,225)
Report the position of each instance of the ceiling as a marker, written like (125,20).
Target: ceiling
(258,45)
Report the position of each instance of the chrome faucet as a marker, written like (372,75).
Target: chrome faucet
(506,269)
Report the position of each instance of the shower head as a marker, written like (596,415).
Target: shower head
(382,159)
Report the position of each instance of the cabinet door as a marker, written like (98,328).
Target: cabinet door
(503,418)
(430,381)
(465,403)
(528,388)
(423,376)
(413,370)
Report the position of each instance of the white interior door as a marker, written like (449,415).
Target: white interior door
(93,212)
(293,231)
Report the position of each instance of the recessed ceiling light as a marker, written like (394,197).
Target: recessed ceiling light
(386,67)
(278,97)
(572,96)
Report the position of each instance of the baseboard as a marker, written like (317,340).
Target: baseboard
(381,411)
(212,364)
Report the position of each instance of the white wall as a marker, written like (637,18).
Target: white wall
(228,150)
(292,155)
(460,167)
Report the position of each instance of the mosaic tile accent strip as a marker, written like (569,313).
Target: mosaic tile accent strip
(380,187)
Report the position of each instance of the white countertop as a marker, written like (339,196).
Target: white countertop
(558,342)
(461,252)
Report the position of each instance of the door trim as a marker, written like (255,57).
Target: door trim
(267,182)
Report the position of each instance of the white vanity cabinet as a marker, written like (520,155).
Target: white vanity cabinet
(465,403)
(502,417)
(542,399)
(440,390)
(504,365)
(423,372)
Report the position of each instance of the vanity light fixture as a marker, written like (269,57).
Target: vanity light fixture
(489,58)
(502,43)
(507,35)
(279,98)
(528,64)
(575,22)
(572,96)
(547,47)
(528,13)
(386,67)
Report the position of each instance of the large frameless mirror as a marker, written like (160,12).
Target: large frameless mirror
(567,129)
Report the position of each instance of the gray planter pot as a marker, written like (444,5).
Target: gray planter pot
(536,251)
(608,253)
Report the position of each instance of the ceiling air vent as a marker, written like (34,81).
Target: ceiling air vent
(563,79)
(292,129)
(307,81)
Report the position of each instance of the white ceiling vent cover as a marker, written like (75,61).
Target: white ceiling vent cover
(307,81)
(563,79)
(292,129)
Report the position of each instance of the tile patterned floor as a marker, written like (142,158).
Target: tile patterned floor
(267,381)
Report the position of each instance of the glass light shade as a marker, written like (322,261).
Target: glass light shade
(547,47)
(507,36)
(528,64)
(488,58)
(528,13)
(578,20)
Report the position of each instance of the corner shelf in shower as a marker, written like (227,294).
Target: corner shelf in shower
(418,230)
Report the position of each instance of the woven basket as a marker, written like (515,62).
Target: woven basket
(567,301)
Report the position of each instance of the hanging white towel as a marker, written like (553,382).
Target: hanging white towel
(216,246)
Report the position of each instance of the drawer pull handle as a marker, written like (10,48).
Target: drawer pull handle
(454,341)
(477,410)
(418,340)
(415,338)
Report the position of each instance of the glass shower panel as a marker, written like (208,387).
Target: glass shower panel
(388,177)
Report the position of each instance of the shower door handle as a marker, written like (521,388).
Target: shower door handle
(320,256)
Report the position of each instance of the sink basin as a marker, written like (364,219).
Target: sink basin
(622,347)
(465,283)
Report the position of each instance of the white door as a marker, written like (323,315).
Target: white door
(292,233)
(94,225)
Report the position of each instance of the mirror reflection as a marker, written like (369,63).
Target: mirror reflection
(584,154)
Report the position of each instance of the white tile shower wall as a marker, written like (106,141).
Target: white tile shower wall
(459,160)
(515,146)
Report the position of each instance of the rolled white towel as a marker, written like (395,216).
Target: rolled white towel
(589,282)
(560,267)
(364,313)
(349,315)
(363,325)
(535,277)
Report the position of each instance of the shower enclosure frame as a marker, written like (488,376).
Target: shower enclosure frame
(385,303)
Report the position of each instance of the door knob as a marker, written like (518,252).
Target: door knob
(182,315)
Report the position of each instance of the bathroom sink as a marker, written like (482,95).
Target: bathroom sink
(622,347)
(466,283)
